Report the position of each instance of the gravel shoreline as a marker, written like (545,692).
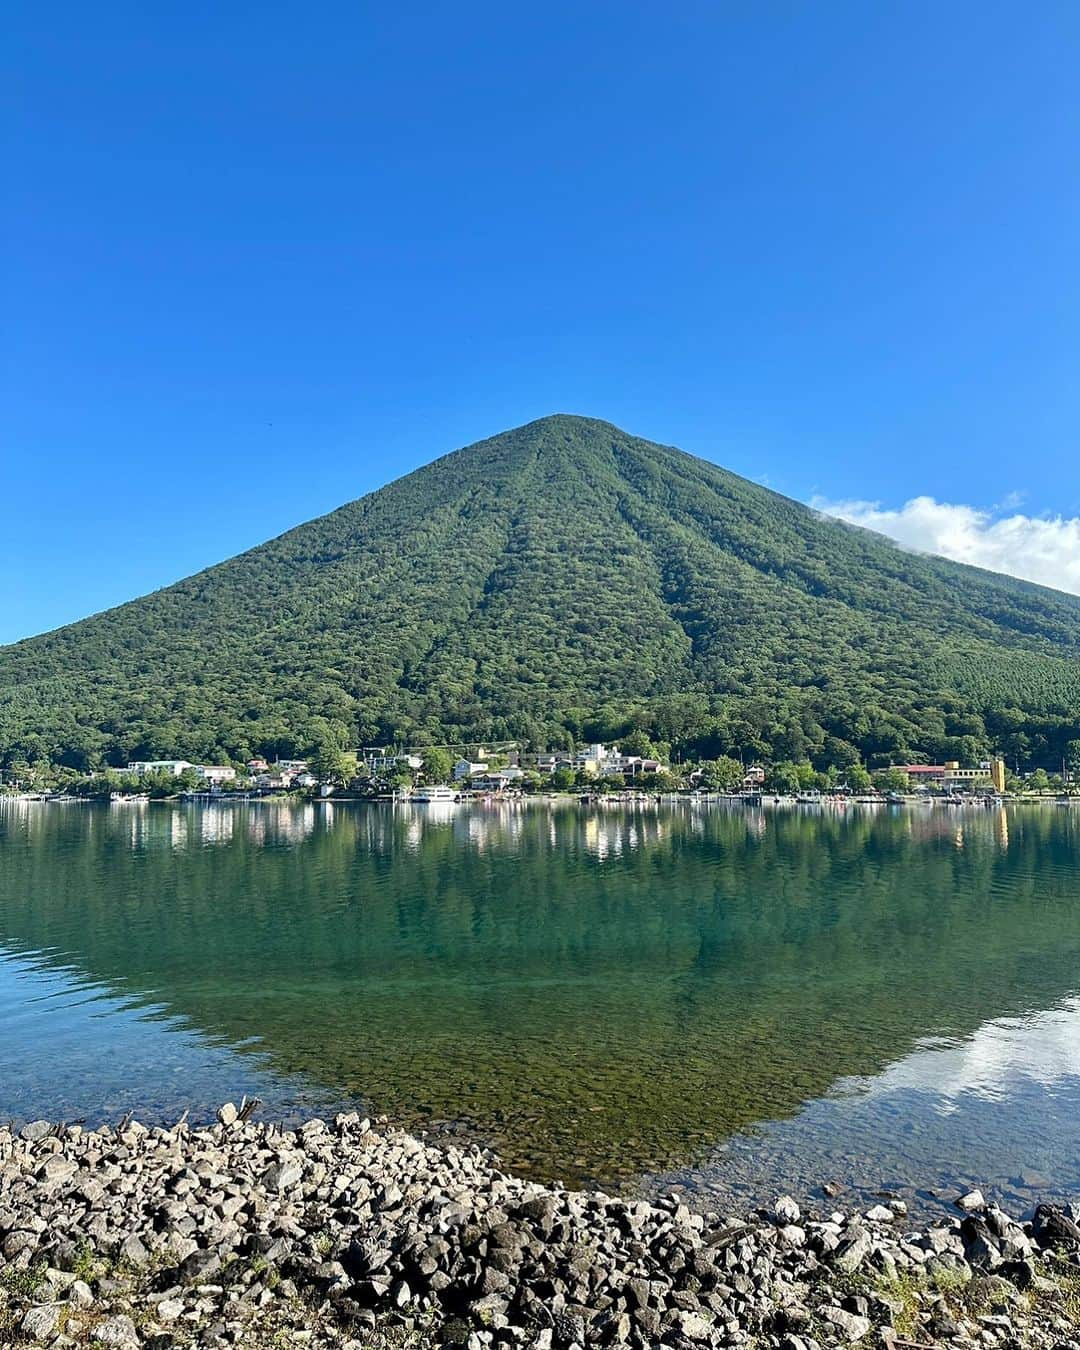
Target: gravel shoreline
(351,1234)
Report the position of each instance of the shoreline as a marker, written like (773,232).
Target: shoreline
(574,797)
(350,1234)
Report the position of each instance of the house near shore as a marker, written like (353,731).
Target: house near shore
(216,773)
(495,780)
(596,761)
(990,773)
(633,766)
(468,768)
(171,766)
(383,762)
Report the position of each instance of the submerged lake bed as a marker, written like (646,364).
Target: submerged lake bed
(732,1000)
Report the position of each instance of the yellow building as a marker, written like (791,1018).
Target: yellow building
(951,775)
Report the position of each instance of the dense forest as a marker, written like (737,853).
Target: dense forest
(563,581)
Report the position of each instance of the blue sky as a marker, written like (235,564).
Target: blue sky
(259,260)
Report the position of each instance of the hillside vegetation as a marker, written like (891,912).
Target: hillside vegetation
(562,580)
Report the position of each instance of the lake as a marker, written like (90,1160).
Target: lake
(737,1001)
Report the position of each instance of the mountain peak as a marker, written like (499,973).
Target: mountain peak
(561,578)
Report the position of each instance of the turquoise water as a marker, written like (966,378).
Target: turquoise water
(731,1000)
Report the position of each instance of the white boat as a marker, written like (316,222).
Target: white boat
(127,798)
(436,793)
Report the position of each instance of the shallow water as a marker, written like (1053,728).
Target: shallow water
(731,1000)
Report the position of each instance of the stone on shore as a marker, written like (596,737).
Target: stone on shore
(243,1234)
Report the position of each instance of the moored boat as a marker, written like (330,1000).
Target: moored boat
(437,792)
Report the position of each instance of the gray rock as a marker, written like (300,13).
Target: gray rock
(80,1294)
(41,1324)
(116,1331)
(282,1176)
(58,1168)
(853,1251)
(1052,1227)
(850,1325)
(568,1329)
(647,1320)
(199,1267)
(879,1214)
(980,1249)
(133,1250)
(693,1326)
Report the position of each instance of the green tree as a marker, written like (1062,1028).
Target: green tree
(637,743)
(438,765)
(807,776)
(783,778)
(327,761)
(721,775)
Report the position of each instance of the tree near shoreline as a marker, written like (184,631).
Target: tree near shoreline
(437,765)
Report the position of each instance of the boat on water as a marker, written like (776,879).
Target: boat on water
(436,793)
(128,798)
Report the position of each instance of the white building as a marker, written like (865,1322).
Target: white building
(216,773)
(467,768)
(380,764)
(496,780)
(630,766)
(174,766)
(591,758)
(547,761)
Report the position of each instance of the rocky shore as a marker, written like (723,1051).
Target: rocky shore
(350,1234)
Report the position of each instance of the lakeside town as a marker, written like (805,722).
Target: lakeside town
(593,772)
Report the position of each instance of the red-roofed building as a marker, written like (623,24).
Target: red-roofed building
(951,775)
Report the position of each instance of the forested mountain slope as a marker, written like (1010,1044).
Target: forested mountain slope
(563,578)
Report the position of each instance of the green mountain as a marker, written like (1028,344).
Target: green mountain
(562,579)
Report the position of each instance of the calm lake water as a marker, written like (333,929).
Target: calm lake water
(738,1001)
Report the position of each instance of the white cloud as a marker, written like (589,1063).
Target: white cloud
(1045,549)
(1043,1047)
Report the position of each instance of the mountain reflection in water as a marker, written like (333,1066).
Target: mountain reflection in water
(691,992)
